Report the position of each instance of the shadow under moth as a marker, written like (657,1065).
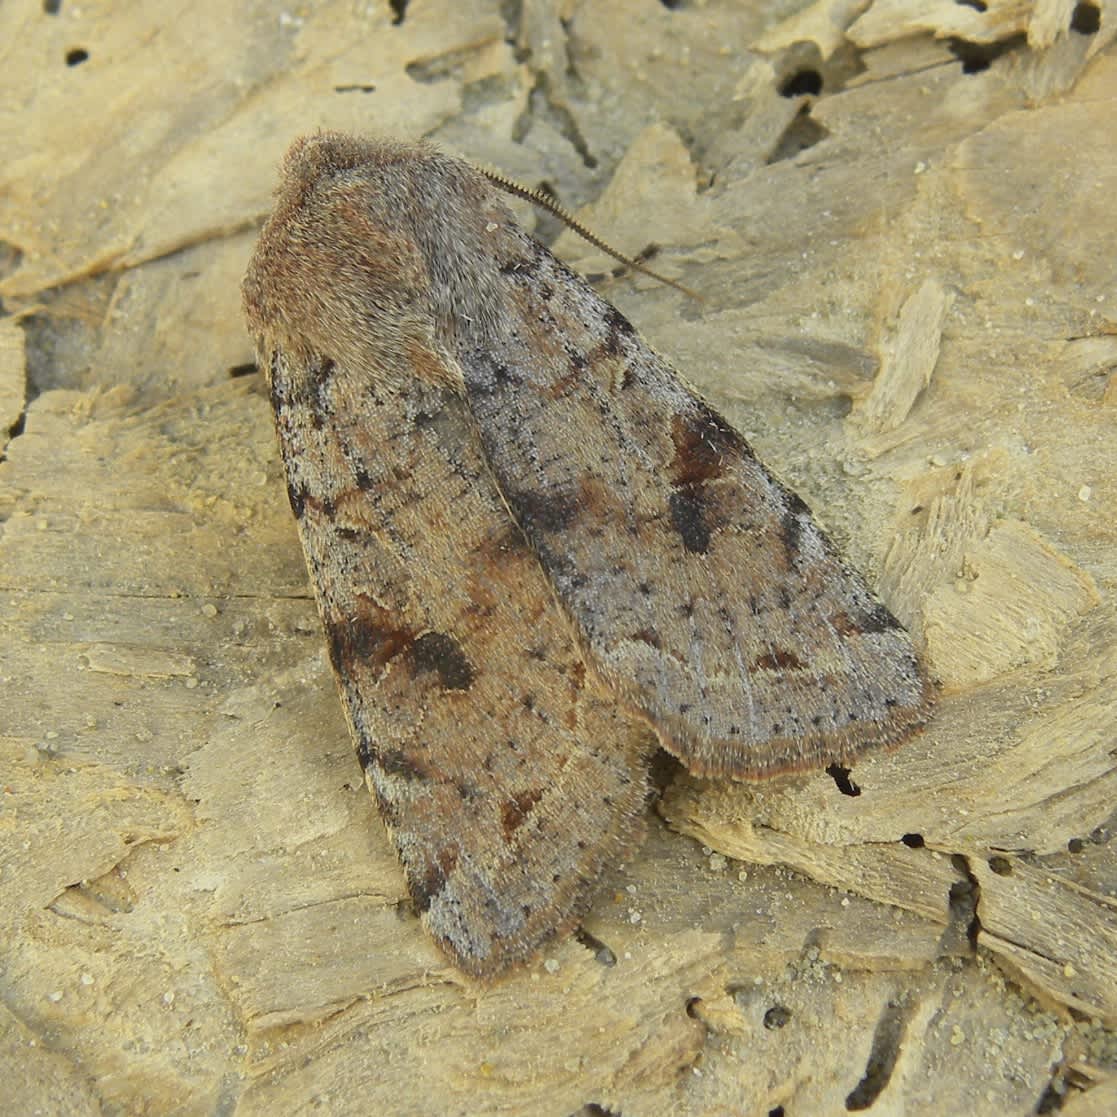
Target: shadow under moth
(537,552)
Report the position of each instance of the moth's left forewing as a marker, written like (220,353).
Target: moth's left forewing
(508,777)
(700,584)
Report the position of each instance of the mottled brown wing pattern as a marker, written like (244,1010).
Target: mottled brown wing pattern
(504,770)
(506,778)
(700,584)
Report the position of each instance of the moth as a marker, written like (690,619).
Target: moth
(537,553)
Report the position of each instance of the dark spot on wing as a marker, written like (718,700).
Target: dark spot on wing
(876,619)
(795,503)
(688,519)
(322,368)
(791,531)
(515,810)
(364,752)
(502,377)
(617,327)
(425,888)
(543,513)
(368,637)
(297,496)
(778,660)
(304,392)
(278,388)
(395,762)
(578,360)
(648,636)
(705,444)
(879,619)
(326,507)
(484,374)
(442,654)
(317,395)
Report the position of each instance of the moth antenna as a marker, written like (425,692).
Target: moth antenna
(538,198)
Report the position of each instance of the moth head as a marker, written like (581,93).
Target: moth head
(329,274)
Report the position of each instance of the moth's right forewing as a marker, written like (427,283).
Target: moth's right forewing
(701,586)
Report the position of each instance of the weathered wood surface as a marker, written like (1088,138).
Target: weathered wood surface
(909,285)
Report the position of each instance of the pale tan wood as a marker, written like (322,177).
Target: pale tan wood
(912,319)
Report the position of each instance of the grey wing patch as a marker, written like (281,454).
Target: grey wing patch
(701,585)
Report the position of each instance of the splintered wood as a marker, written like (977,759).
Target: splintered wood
(906,280)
